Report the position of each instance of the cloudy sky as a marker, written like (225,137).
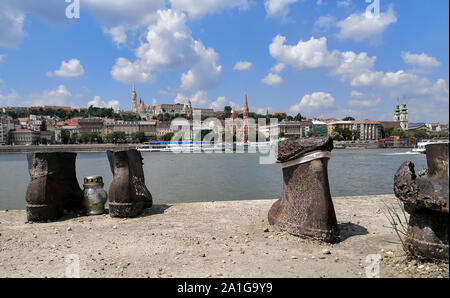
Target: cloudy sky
(329,58)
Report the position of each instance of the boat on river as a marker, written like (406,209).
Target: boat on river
(199,147)
(421,146)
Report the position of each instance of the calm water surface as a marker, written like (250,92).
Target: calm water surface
(175,178)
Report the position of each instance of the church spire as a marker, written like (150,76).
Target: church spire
(245,111)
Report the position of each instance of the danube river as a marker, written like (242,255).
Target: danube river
(176,178)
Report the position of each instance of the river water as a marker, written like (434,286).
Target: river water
(176,178)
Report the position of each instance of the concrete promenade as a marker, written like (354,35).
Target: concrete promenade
(212,239)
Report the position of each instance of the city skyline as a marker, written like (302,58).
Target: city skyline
(318,58)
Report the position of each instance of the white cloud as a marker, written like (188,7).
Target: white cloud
(235,106)
(10,99)
(278,8)
(219,103)
(154,102)
(359,27)
(422,111)
(59,97)
(272,79)
(118,34)
(261,111)
(169,45)
(11,22)
(324,23)
(99,103)
(278,67)
(130,15)
(205,74)
(72,68)
(311,54)
(242,65)
(127,13)
(313,102)
(344,3)
(127,72)
(362,100)
(198,99)
(423,61)
(355,69)
(199,8)
(181,98)
(1,58)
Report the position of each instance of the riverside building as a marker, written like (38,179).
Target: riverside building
(130,127)
(147,112)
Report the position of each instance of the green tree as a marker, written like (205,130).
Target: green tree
(9,139)
(116,137)
(399,132)
(228,109)
(420,134)
(337,135)
(340,134)
(65,136)
(356,135)
(168,136)
(386,132)
(348,118)
(299,117)
(139,136)
(74,138)
(43,126)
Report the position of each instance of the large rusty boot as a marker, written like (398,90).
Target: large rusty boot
(306,208)
(53,187)
(426,199)
(128,194)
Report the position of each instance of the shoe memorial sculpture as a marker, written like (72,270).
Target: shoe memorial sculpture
(53,187)
(306,208)
(128,194)
(427,202)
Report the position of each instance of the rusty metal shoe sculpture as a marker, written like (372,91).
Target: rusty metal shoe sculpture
(427,202)
(128,194)
(53,187)
(306,208)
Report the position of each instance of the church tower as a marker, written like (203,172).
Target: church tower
(404,117)
(134,99)
(397,112)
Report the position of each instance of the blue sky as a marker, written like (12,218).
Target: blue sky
(332,59)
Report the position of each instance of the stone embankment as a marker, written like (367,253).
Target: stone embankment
(213,239)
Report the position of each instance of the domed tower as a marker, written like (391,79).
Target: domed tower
(404,117)
(397,112)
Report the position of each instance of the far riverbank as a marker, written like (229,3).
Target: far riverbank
(105,147)
(66,148)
